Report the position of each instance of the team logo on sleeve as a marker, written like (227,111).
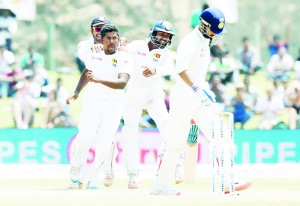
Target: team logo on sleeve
(156,56)
(114,61)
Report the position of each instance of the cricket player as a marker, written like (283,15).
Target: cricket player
(85,50)
(87,47)
(191,97)
(107,73)
(152,60)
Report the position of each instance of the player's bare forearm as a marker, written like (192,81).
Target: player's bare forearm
(119,83)
(287,31)
(82,81)
(80,85)
(185,77)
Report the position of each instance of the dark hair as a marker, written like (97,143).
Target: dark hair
(108,28)
(205,6)
(245,38)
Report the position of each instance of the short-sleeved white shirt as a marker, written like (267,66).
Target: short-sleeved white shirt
(160,59)
(6,60)
(107,67)
(193,55)
(84,49)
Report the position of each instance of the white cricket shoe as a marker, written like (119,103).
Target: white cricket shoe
(75,174)
(179,176)
(133,181)
(167,191)
(108,179)
(239,186)
(75,186)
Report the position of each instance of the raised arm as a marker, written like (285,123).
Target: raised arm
(264,27)
(287,30)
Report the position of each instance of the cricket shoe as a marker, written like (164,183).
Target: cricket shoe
(92,186)
(133,181)
(75,186)
(108,179)
(167,191)
(179,177)
(239,186)
(75,174)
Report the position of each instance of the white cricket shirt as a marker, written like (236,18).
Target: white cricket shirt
(160,59)
(84,50)
(193,55)
(107,67)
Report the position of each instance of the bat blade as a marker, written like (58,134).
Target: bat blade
(190,163)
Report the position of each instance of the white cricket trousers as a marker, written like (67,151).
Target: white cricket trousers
(98,124)
(184,106)
(137,99)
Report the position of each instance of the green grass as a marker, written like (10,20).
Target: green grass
(52,192)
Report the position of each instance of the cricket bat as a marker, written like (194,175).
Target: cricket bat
(190,163)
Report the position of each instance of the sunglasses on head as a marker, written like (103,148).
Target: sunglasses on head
(97,29)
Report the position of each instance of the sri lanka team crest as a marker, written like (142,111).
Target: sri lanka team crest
(156,57)
(114,61)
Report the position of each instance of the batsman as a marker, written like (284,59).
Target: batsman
(190,97)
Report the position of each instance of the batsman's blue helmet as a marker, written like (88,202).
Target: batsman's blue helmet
(214,18)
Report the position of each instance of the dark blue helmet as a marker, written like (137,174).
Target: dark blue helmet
(100,20)
(214,19)
(163,26)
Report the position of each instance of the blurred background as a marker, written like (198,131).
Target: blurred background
(55,27)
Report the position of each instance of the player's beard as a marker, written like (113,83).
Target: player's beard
(111,49)
(97,38)
(161,44)
(206,36)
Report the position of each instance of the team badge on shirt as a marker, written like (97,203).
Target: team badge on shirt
(156,57)
(114,61)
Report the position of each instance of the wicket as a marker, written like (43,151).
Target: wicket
(221,148)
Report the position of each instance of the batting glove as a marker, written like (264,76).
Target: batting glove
(193,135)
(206,95)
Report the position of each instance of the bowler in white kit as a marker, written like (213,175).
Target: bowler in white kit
(108,73)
